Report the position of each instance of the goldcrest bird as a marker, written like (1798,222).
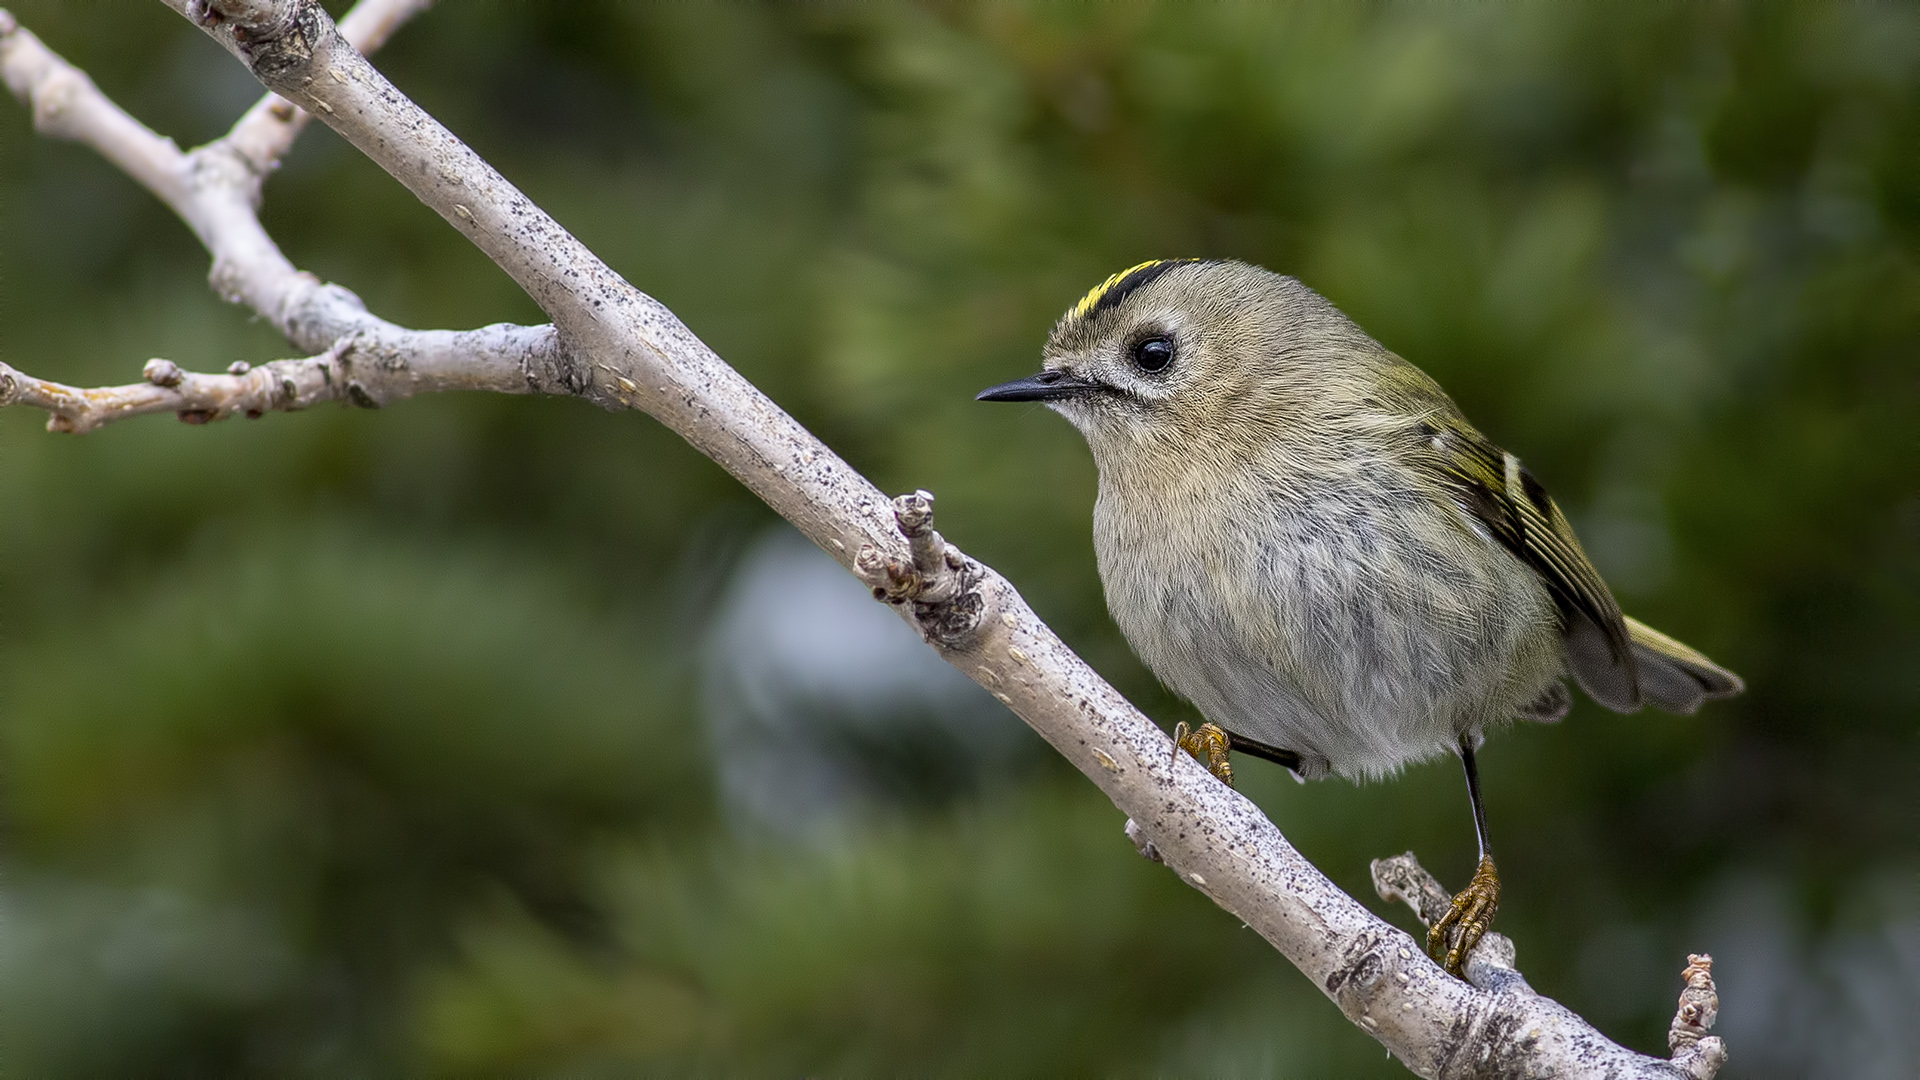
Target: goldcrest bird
(1300,533)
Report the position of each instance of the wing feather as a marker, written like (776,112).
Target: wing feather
(1492,486)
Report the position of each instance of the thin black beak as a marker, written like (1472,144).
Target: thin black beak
(1052,385)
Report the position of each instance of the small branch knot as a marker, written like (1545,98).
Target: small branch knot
(162,372)
(1699,1003)
(1696,1053)
(939,581)
(1401,879)
(1142,844)
(915,514)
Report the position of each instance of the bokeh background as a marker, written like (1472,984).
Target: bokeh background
(507,736)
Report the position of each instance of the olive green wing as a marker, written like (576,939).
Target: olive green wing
(1491,486)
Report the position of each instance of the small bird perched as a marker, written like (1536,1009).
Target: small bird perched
(1300,533)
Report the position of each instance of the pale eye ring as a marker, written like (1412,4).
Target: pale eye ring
(1153,353)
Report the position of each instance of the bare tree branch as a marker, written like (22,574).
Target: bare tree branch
(215,189)
(1491,967)
(267,131)
(347,372)
(615,346)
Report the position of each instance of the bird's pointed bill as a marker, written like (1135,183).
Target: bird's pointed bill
(1046,386)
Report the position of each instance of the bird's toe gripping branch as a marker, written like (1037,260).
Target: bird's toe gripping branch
(940,582)
(1452,937)
(1209,744)
(1483,961)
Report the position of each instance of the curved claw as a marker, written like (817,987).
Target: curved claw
(1209,744)
(1472,912)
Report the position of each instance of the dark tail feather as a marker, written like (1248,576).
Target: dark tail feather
(1673,676)
(1609,677)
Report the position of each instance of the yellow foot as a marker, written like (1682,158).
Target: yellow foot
(1208,744)
(1469,918)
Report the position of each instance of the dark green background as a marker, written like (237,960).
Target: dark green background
(370,743)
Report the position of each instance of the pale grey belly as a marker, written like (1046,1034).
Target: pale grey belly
(1364,637)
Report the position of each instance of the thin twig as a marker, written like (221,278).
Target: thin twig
(215,189)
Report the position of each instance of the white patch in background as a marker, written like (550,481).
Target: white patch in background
(1842,1000)
(823,706)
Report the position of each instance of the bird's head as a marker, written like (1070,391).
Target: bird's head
(1180,355)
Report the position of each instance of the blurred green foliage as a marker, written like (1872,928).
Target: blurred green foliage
(346,743)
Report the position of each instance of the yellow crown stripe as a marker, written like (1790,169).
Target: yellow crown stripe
(1088,301)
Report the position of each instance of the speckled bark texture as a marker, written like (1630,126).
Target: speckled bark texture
(614,345)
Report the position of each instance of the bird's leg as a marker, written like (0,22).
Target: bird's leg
(1472,912)
(1209,744)
(1286,758)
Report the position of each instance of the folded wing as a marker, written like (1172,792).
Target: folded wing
(1620,662)
(1491,485)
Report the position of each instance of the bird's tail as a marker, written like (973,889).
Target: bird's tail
(1673,676)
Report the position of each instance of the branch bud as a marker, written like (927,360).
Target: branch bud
(162,372)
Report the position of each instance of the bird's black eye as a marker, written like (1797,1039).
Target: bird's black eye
(1153,354)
